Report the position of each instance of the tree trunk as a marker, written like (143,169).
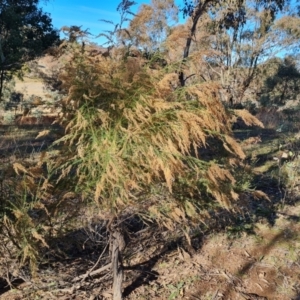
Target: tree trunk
(2,59)
(197,13)
(1,83)
(117,245)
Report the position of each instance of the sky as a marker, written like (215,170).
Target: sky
(85,13)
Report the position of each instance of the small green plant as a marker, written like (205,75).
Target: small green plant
(176,290)
(236,230)
(8,89)
(8,118)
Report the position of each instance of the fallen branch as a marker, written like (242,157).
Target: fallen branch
(94,273)
(77,286)
(87,274)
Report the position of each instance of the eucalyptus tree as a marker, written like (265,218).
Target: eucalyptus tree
(241,36)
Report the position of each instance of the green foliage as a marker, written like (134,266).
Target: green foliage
(283,84)
(175,290)
(25,32)
(9,118)
(8,90)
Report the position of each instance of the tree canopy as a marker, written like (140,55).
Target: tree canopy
(25,32)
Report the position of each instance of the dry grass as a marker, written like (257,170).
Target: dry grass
(265,264)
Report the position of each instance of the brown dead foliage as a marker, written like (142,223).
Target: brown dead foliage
(31,120)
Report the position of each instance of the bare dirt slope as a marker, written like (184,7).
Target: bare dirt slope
(33,83)
(29,87)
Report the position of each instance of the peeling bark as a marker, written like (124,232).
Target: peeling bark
(118,246)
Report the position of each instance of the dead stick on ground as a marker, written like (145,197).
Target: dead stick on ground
(94,273)
(95,265)
(77,286)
